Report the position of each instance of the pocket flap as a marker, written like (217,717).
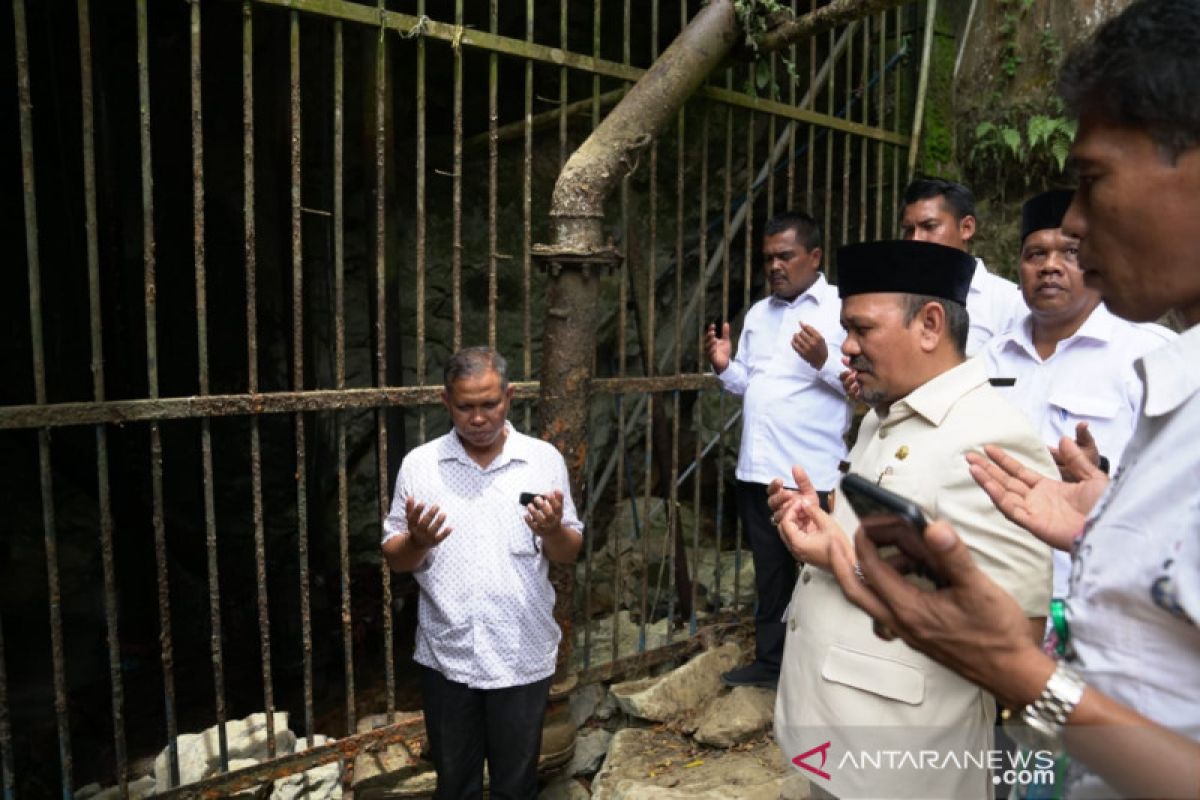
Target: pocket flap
(1086,405)
(885,677)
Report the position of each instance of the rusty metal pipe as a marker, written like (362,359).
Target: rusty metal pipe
(577,206)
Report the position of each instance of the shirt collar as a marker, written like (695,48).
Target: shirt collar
(1100,326)
(1169,373)
(514,449)
(934,398)
(978,278)
(813,293)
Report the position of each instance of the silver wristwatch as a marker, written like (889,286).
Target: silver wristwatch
(1046,716)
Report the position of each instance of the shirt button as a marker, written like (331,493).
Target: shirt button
(806,576)
(883,434)
(792,623)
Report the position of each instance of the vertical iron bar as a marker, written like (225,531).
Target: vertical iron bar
(650,355)
(697,407)
(597,13)
(339,337)
(527,222)
(563,88)
(791,165)
(58,658)
(914,144)
(198,255)
(151,310)
(810,150)
(862,140)
(419,222)
(829,136)
(6,748)
(846,142)
(381,420)
(622,355)
(456,192)
(493,156)
(103,493)
(301,473)
(250,254)
(726,202)
(673,524)
(880,112)
(896,127)
(772,93)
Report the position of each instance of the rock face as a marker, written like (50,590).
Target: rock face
(676,693)
(591,747)
(644,764)
(199,753)
(320,783)
(740,715)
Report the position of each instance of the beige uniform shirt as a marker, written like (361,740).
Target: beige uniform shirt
(899,724)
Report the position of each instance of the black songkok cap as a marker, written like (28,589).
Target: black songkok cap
(1045,211)
(908,267)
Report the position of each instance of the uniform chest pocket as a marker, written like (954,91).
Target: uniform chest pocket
(1088,406)
(522,541)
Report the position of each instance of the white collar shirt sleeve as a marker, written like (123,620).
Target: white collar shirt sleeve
(486,603)
(1134,607)
(994,304)
(791,413)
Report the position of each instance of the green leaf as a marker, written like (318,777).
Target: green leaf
(762,74)
(1060,149)
(1012,138)
(984,129)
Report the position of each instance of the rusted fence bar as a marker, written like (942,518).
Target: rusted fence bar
(249,238)
(527,221)
(103,492)
(7,768)
(33,264)
(456,185)
(880,119)
(420,214)
(166,649)
(206,456)
(493,157)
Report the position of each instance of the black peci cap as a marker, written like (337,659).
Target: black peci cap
(905,266)
(1045,211)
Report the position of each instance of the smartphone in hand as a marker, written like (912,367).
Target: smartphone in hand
(527,497)
(892,520)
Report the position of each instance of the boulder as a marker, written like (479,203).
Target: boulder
(319,783)
(591,747)
(650,764)
(199,753)
(735,717)
(584,701)
(564,789)
(681,691)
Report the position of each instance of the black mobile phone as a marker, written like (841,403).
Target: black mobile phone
(527,497)
(718,324)
(892,520)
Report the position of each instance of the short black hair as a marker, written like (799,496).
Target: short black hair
(1142,70)
(958,321)
(474,361)
(808,230)
(958,198)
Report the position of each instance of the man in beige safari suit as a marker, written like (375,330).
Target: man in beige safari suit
(898,724)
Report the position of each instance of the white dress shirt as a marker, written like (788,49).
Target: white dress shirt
(1134,606)
(486,616)
(1088,378)
(791,413)
(995,306)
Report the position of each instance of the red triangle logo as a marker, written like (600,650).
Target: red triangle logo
(823,749)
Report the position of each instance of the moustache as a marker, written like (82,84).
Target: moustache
(861,364)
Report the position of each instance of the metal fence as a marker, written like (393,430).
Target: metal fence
(214,370)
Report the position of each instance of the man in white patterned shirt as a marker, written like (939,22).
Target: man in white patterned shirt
(486,636)
(793,408)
